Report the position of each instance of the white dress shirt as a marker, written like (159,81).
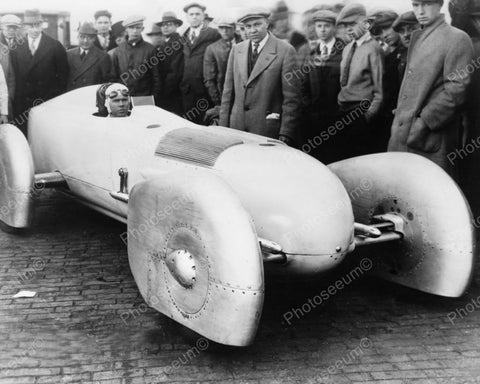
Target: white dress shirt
(261,44)
(35,42)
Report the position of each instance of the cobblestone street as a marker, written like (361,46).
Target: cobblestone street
(89,324)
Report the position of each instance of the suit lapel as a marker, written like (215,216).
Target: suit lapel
(243,60)
(87,62)
(40,52)
(266,57)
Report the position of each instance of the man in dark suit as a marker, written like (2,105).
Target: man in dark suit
(262,89)
(197,37)
(170,67)
(215,65)
(87,64)
(321,86)
(10,25)
(103,22)
(40,66)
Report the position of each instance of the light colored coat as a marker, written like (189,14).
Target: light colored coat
(433,89)
(272,87)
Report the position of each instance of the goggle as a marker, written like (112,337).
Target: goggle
(114,93)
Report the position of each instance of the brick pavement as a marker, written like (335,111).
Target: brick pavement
(88,323)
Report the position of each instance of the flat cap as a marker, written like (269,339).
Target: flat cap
(254,13)
(280,12)
(325,15)
(102,12)
(87,29)
(384,18)
(11,20)
(351,12)
(132,20)
(407,18)
(225,22)
(191,5)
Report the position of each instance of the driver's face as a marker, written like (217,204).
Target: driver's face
(119,106)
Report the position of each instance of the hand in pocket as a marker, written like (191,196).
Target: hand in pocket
(421,138)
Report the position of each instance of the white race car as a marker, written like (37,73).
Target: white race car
(208,208)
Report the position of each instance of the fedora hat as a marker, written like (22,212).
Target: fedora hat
(87,29)
(170,17)
(32,16)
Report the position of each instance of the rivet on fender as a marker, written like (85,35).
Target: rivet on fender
(181,265)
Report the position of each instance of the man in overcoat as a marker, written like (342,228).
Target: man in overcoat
(262,85)
(170,67)
(134,62)
(428,119)
(215,64)
(87,64)
(40,66)
(9,40)
(197,38)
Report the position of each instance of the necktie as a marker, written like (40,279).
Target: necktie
(33,48)
(11,43)
(83,54)
(255,53)
(105,42)
(192,36)
(346,71)
(325,51)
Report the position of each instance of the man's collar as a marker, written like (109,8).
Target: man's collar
(366,37)
(261,43)
(134,43)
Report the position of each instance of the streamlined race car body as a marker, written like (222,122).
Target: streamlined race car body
(209,208)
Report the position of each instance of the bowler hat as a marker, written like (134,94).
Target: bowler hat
(170,17)
(384,18)
(191,5)
(208,18)
(407,18)
(32,16)
(133,20)
(325,15)
(87,29)
(102,12)
(156,30)
(11,20)
(254,13)
(351,12)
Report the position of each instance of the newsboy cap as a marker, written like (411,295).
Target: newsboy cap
(87,29)
(11,20)
(170,17)
(102,12)
(254,13)
(407,18)
(325,15)
(430,1)
(225,22)
(191,5)
(351,12)
(32,16)
(384,18)
(133,20)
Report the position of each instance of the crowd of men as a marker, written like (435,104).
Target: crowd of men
(350,83)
